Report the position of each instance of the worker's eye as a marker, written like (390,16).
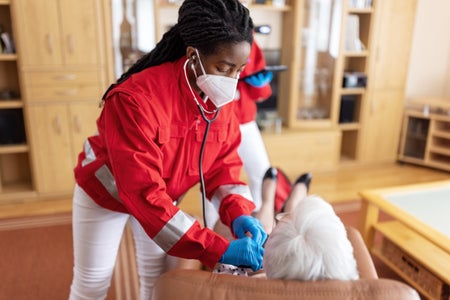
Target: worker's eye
(224,69)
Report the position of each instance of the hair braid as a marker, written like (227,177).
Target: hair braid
(204,24)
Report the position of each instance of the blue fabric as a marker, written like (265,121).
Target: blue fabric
(260,79)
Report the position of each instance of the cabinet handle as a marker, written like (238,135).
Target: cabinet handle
(77,122)
(70,92)
(70,43)
(50,43)
(377,54)
(57,125)
(65,77)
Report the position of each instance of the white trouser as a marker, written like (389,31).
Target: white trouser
(256,162)
(97,233)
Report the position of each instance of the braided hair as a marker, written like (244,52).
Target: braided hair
(204,24)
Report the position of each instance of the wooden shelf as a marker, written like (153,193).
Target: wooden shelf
(5,104)
(349,126)
(8,149)
(363,53)
(424,140)
(353,10)
(8,57)
(441,134)
(352,91)
(15,170)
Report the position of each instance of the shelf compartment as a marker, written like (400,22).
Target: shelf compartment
(439,161)
(355,64)
(349,144)
(9,79)
(418,128)
(350,109)
(415,148)
(442,126)
(441,143)
(14,171)
(12,129)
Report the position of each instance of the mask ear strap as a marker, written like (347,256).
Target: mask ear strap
(193,69)
(200,61)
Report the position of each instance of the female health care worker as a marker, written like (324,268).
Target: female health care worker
(157,121)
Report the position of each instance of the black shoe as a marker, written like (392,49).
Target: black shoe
(271,173)
(305,179)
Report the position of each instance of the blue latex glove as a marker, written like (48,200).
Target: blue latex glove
(260,79)
(243,224)
(244,253)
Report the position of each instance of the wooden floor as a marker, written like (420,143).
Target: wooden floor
(340,186)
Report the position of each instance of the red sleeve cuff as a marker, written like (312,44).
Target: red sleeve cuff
(234,206)
(202,244)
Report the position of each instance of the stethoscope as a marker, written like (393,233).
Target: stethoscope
(208,122)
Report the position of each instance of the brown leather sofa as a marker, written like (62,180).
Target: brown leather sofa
(205,285)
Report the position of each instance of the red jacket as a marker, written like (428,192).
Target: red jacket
(247,95)
(145,157)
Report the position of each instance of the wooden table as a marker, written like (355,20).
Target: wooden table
(415,235)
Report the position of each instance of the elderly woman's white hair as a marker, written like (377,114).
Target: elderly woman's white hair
(310,244)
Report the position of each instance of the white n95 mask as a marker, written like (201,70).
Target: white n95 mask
(219,89)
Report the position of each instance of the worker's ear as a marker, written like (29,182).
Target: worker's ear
(191,53)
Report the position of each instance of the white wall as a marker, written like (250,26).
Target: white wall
(429,69)
(144,27)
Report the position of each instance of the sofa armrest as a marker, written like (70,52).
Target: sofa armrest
(364,262)
(198,284)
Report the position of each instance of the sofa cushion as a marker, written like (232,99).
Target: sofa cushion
(199,284)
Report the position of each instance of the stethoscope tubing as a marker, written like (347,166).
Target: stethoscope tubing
(200,160)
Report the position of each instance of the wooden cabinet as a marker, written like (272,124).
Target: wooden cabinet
(62,32)
(65,65)
(15,169)
(315,93)
(327,40)
(318,53)
(425,138)
(394,24)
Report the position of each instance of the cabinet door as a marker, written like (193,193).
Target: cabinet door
(393,38)
(383,126)
(83,117)
(39,31)
(51,148)
(389,66)
(65,32)
(81,21)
